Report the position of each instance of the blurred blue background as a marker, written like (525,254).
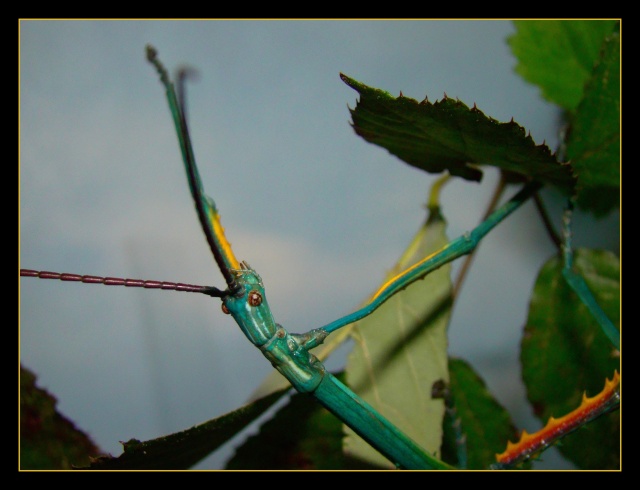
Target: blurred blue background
(320,213)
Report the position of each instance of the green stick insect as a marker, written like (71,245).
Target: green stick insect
(245,299)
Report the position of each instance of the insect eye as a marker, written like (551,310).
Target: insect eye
(255,298)
(225,310)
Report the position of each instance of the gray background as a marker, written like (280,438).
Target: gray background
(320,213)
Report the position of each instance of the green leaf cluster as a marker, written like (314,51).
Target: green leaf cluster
(576,64)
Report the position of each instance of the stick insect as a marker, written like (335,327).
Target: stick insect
(244,298)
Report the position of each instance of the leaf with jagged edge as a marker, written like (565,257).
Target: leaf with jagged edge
(565,353)
(48,439)
(559,55)
(400,351)
(448,135)
(485,426)
(182,450)
(593,141)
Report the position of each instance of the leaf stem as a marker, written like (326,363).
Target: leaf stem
(542,210)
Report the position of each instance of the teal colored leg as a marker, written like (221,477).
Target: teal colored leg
(373,427)
(442,390)
(576,282)
(458,247)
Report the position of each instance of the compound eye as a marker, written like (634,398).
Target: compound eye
(255,298)
(225,310)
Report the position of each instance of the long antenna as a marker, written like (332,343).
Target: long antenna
(132,283)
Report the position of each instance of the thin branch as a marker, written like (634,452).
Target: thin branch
(542,210)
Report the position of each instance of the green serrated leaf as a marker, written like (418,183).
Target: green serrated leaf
(401,351)
(559,55)
(565,353)
(593,143)
(48,440)
(447,135)
(486,425)
(182,450)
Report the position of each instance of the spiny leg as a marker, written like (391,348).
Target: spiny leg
(590,408)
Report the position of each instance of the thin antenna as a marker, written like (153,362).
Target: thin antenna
(131,283)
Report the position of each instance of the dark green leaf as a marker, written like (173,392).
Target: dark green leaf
(447,135)
(593,143)
(565,353)
(559,55)
(485,424)
(182,450)
(48,440)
